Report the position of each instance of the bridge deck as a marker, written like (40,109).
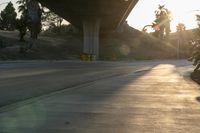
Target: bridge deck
(111,12)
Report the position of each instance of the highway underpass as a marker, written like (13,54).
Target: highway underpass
(93,16)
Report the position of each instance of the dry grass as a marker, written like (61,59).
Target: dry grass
(128,45)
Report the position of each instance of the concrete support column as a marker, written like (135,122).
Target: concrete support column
(91,29)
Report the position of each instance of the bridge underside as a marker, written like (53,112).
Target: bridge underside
(92,16)
(112,13)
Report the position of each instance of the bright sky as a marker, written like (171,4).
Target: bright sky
(3,3)
(182,10)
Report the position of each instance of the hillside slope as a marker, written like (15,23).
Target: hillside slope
(129,44)
(133,44)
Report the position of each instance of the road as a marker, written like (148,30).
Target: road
(24,80)
(136,97)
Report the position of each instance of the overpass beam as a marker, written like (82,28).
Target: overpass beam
(91,28)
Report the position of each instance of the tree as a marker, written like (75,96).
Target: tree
(152,26)
(195,55)
(49,18)
(180,27)
(162,22)
(22,22)
(8,17)
(22,6)
(198,23)
(198,20)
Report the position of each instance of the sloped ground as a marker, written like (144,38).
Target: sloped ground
(133,44)
(128,45)
(46,48)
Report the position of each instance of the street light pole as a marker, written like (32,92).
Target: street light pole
(178,49)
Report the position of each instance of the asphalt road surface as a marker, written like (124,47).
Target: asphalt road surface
(101,97)
(24,80)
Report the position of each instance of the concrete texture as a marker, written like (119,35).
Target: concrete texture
(111,13)
(158,100)
(91,37)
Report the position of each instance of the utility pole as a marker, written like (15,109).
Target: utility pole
(178,47)
(180,34)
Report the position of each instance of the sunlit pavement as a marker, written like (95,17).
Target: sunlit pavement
(158,100)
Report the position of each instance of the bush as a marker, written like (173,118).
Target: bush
(63,29)
(195,54)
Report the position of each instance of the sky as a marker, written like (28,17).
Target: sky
(183,11)
(143,14)
(3,4)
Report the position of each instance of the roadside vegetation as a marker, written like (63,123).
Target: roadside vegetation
(195,54)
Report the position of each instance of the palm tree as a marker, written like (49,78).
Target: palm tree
(180,27)
(163,19)
(22,5)
(198,22)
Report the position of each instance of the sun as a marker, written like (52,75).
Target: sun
(182,12)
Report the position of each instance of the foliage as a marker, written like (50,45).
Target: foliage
(195,49)
(198,23)
(22,5)
(180,27)
(21,23)
(198,19)
(146,27)
(63,30)
(161,24)
(51,19)
(8,17)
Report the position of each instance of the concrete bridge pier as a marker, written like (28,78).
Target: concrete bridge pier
(91,28)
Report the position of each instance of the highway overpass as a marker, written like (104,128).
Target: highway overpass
(93,16)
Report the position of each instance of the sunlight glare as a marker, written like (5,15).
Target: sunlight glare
(182,11)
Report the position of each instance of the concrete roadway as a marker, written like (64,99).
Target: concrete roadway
(138,97)
(23,80)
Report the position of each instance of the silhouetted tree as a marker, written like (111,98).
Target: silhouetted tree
(147,26)
(180,27)
(22,22)
(22,5)
(21,25)
(198,22)
(26,18)
(162,22)
(8,17)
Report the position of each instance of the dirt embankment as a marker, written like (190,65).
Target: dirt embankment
(130,44)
